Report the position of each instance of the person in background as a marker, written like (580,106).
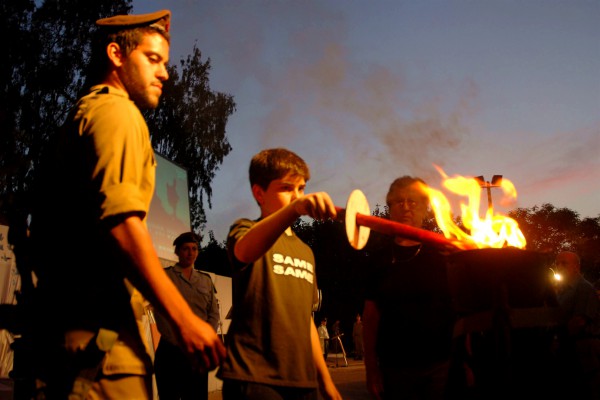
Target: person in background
(580,342)
(324,337)
(408,289)
(176,377)
(273,348)
(357,338)
(94,192)
(336,331)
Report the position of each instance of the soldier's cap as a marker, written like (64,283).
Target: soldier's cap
(187,237)
(162,18)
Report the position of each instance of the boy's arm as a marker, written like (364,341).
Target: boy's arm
(198,338)
(328,389)
(261,236)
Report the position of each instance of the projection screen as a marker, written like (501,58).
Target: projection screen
(170,208)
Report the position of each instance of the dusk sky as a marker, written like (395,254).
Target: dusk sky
(367,91)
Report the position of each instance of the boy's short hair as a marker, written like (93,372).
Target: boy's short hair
(271,164)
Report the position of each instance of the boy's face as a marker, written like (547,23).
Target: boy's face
(279,194)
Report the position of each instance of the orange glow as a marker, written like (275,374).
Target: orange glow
(495,230)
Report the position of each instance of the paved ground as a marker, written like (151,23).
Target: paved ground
(350,380)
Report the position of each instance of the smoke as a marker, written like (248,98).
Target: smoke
(357,122)
(363,110)
(569,161)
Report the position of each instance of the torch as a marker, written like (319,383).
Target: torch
(359,222)
(505,304)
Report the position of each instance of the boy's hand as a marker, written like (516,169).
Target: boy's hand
(315,205)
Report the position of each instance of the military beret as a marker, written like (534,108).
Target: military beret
(188,237)
(162,18)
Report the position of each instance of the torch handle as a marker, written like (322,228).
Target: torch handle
(393,228)
(359,223)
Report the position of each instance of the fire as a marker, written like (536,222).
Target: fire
(495,230)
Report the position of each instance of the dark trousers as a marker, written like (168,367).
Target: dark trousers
(175,378)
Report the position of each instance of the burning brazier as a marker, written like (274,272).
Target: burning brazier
(508,320)
(494,279)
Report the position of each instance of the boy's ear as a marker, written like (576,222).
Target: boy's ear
(258,193)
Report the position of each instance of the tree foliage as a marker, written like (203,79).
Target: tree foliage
(44,74)
(189,128)
(48,48)
(213,257)
(551,230)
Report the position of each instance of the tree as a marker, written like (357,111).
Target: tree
(213,257)
(48,51)
(547,228)
(189,128)
(15,21)
(47,54)
(552,230)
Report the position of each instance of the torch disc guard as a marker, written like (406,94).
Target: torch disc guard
(357,235)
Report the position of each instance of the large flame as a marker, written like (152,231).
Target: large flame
(495,230)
